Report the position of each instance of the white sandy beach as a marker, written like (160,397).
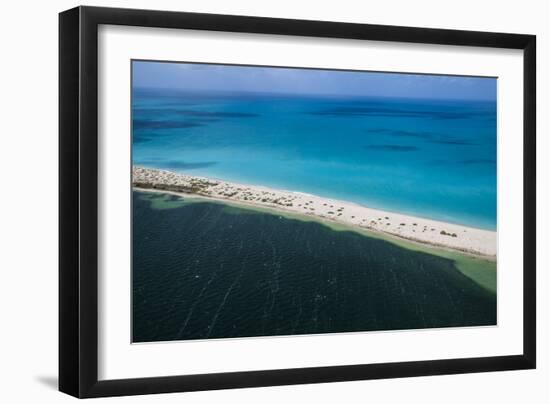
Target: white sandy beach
(452,236)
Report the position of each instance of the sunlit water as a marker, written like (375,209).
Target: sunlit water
(435,159)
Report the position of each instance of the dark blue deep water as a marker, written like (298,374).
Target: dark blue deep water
(206,270)
(435,159)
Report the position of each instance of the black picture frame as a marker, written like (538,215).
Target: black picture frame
(78,201)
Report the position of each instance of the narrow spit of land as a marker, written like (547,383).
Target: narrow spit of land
(426,231)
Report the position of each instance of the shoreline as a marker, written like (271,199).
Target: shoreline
(432,233)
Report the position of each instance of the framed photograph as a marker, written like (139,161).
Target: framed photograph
(251,201)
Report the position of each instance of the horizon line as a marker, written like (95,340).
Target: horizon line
(332,95)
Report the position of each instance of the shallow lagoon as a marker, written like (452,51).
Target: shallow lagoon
(209,270)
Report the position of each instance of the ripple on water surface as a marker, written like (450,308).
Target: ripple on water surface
(206,270)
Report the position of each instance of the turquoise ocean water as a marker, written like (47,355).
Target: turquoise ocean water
(429,158)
